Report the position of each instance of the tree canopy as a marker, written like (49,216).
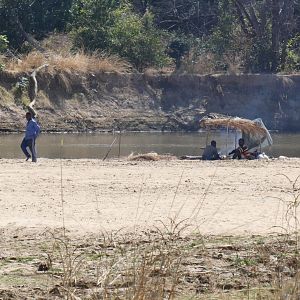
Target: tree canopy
(240,35)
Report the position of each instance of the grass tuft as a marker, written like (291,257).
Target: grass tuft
(67,62)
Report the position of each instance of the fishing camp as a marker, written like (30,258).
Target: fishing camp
(252,133)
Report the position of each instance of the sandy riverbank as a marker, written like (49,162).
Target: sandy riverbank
(226,197)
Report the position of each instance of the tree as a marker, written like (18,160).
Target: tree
(293,54)
(270,24)
(136,38)
(108,25)
(22,20)
(196,17)
(91,21)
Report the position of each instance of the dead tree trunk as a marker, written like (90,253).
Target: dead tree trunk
(33,89)
(275,35)
(28,37)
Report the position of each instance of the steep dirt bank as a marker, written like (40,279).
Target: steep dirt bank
(107,101)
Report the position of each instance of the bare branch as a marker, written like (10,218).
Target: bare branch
(250,17)
(254,20)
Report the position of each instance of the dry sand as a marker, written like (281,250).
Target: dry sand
(222,197)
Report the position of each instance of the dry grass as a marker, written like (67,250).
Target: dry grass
(145,266)
(152,72)
(194,64)
(58,43)
(67,62)
(234,63)
(152,156)
(160,263)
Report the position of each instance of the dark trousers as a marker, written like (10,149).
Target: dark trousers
(237,154)
(31,145)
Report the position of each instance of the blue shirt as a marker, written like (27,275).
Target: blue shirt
(32,129)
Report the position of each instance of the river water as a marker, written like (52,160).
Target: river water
(97,145)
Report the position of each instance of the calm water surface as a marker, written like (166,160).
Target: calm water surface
(97,145)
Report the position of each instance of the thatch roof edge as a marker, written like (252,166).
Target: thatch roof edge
(245,125)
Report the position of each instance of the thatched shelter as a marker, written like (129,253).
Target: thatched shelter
(245,125)
(253,132)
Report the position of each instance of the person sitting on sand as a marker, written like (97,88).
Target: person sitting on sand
(242,151)
(211,152)
(32,132)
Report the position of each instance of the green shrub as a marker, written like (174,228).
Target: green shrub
(293,54)
(105,25)
(3,43)
(91,20)
(136,39)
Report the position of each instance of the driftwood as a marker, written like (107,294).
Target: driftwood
(33,89)
(190,157)
(152,156)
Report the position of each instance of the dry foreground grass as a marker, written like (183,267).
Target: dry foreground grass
(170,229)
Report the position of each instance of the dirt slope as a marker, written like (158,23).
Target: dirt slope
(107,101)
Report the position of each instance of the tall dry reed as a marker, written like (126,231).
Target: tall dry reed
(68,62)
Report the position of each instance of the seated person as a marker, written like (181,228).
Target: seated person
(211,152)
(242,151)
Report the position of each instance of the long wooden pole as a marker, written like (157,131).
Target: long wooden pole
(227,133)
(207,135)
(110,147)
(235,139)
(120,137)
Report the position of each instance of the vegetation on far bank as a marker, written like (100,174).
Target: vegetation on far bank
(195,36)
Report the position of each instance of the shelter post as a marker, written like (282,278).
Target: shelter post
(120,137)
(227,133)
(235,140)
(207,136)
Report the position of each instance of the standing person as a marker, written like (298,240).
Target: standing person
(32,132)
(211,152)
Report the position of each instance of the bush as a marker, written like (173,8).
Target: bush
(3,43)
(117,29)
(179,47)
(293,54)
(136,38)
(91,21)
(3,47)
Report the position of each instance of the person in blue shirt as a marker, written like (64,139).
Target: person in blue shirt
(32,132)
(211,152)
